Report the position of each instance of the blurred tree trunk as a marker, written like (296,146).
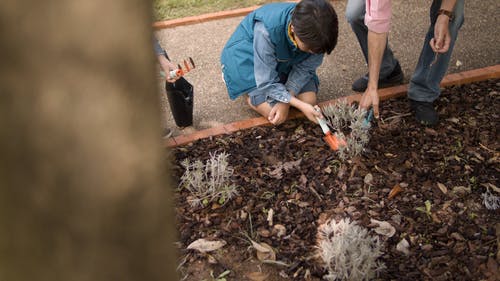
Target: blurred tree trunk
(84,187)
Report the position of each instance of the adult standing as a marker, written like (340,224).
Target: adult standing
(371,21)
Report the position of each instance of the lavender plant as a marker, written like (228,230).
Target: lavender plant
(345,119)
(348,251)
(490,200)
(208,182)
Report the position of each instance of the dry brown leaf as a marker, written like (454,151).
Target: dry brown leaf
(368,179)
(270,215)
(259,247)
(446,205)
(442,187)
(403,246)
(461,190)
(266,252)
(384,228)
(492,186)
(394,191)
(279,230)
(303,180)
(435,218)
(257,276)
(204,245)
(288,166)
(276,173)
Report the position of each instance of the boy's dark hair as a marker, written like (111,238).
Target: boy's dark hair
(315,23)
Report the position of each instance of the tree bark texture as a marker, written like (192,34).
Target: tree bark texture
(85,192)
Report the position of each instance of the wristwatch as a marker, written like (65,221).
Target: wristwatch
(446,13)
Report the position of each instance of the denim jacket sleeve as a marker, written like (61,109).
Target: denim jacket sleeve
(266,76)
(303,72)
(265,63)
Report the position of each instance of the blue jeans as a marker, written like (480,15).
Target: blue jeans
(424,84)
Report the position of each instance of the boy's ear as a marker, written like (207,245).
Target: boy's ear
(291,25)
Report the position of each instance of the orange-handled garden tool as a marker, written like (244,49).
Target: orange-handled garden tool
(332,141)
(180,71)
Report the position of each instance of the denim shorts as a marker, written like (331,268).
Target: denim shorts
(255,100)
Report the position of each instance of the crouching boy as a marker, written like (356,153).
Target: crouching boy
(273,55)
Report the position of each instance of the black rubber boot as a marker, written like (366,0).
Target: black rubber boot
(425,113)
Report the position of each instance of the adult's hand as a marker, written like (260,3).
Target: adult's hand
(170,67)
(279,113)
(441,41)
(167,66)
(370,98)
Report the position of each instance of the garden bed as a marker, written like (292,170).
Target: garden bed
(444,172)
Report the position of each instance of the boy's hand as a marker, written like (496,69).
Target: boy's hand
(309,110)
(279,113)
(311,113)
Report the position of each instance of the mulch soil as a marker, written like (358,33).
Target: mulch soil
(290,169)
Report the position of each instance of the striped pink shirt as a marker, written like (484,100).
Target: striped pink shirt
(378,15)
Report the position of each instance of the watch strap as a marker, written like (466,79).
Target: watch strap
(447,13)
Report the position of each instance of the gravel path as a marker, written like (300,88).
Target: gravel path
(476,47)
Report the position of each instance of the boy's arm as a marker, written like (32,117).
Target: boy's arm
(302,72)
(267,79)
(266,76)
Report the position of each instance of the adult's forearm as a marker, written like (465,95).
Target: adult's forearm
(165,64)
(376,47)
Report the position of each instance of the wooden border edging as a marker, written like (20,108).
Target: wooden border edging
(453,79)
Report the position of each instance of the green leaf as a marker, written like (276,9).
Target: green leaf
(428,206)
(222,200)
(224,274)
(421,209)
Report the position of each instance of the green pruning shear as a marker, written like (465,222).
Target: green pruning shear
(369,117)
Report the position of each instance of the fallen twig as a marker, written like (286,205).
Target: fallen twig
(381,170)
(486,148)
(276,263)
(315,193)
(396,116)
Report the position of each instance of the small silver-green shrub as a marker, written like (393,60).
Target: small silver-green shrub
(209,182)
(490,200)
(348,122)
(348,251)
